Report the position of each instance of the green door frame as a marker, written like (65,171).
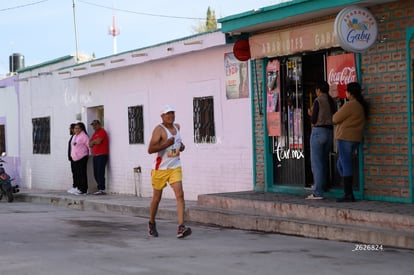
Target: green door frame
(409,36)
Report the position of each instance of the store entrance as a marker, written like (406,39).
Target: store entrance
(291,89)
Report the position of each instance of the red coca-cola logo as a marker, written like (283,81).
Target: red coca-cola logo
(347,75)
(341,71)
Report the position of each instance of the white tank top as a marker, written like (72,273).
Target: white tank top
(169,157)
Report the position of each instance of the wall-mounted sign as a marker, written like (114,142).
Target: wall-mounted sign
(237,77)
(241,50)
(355,29)
(310,37)
(341,72)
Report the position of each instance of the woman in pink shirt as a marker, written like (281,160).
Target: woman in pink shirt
(80,155)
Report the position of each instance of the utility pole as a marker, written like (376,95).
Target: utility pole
(76,31)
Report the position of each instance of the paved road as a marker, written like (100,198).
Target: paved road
(44,239)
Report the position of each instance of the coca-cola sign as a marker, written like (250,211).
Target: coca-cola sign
(341,71)
(356,29)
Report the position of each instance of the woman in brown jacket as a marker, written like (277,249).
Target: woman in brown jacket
(349,120)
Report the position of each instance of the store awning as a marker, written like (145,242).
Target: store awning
(286,13)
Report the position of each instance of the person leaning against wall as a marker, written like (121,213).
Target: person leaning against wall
(74,185)
(167,143)
(350,121)
(321,139)
(80,156)
(100,150)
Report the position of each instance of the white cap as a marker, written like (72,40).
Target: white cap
(166,109)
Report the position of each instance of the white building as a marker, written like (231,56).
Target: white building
(129,87)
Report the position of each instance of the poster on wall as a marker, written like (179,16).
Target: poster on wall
(341,71)
(237,77)
(273,98)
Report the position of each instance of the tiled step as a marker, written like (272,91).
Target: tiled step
(315,210)
(308,220)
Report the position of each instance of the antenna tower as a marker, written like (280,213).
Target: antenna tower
(114,31)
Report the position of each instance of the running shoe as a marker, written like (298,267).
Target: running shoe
(183,231)
(152,230)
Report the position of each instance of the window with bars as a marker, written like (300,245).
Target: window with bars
(41,135)
(136,124)
(203,116)
(2,138)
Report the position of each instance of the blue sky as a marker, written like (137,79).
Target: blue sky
(43,30)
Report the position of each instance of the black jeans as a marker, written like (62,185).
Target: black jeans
(99,164)
(72,168)
(80,174)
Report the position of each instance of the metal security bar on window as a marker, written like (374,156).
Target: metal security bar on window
(2,139)
(204,129)
(136,125)
(41,135)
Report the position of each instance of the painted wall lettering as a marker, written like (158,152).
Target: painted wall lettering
(282,153)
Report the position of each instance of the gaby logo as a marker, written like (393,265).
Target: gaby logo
(356,29)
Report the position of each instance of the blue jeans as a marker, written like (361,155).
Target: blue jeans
(99,164)
(346,151)
(320,144)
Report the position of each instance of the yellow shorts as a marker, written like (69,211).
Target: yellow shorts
(160,178)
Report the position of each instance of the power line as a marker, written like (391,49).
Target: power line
(141,13)
(22,6)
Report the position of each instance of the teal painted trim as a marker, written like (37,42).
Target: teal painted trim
(360,193)
(140,49)
(279,12)
(254,147)
(258,189)
(268,159)
(333,194)
(409,35)
(293,190)
(300,191)
(44,64)
(387,199)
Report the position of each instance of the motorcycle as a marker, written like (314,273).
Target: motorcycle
(6,187)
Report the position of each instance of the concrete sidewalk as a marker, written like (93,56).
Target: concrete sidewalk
(124,204)
(367,222)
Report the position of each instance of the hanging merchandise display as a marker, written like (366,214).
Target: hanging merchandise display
(295,104)
(273,98)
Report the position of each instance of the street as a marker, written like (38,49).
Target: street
(45,239)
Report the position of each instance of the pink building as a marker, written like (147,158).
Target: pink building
(198,75)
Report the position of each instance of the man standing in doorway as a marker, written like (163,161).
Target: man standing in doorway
(166,142)
(100,150)
(321,139)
